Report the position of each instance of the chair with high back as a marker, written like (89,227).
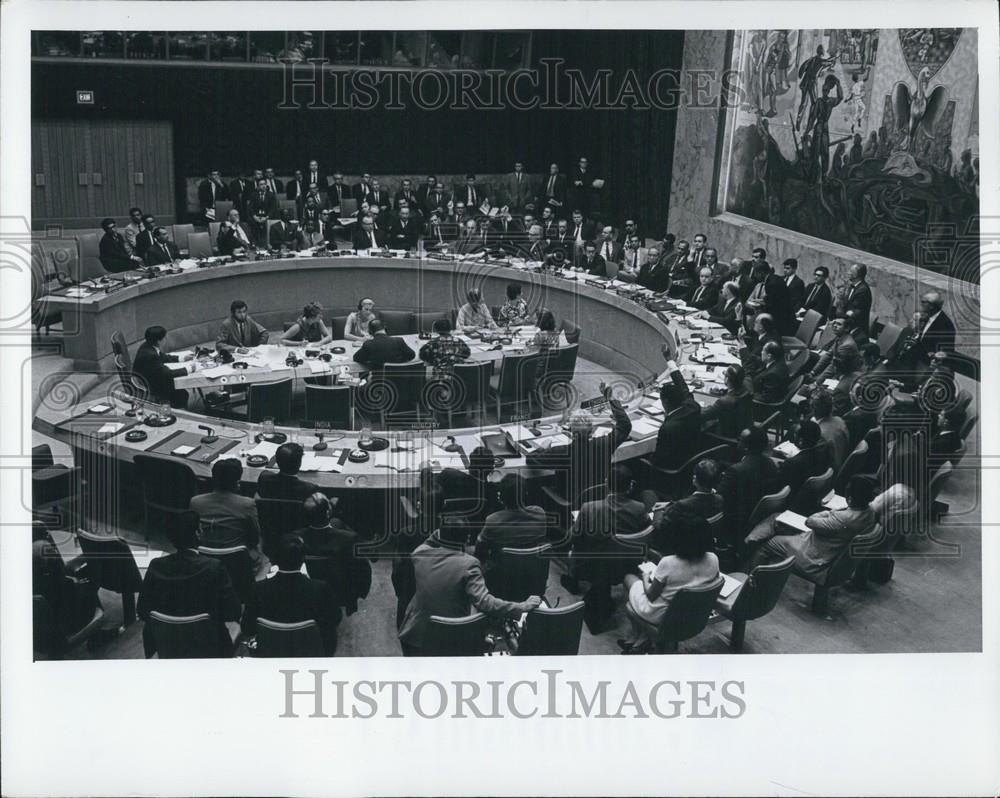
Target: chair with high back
(398,322)
(840,569)
(515,383)
(671,482)
(965,365)
(56,489)
(772,416)
(425,321)
(185,636)
(213,234)
(90,256)
(300,639)
(455,637)
(877,565)
(474,381)
(167,487)
(338,324)
(111,566)
(888,338)
(854,464)
(119,346)
(767,506)
(796,355)
(571,330)
(807,327)
(556,377)
(333,404)
(236,561)
(50,639)
(348,207)
(222,209)
(270,400)
(826,336)
(277,517)
(686,617)
(552,632)
(394,392)
(519,573)
(199,245)
(181,235)
(967,426)
(756,596)
(292,206)
(809,497)
(129,381)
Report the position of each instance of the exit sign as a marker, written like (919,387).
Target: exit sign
(84,97)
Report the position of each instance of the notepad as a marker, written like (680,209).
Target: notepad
(644,427)
(729,586)
(834,501)
(830,384)
(77,293)
(217,371)
(98,409)
(264,448)
(787,448)
(318,367)
(314,462)
(792,520)
(184,450)
(110,428)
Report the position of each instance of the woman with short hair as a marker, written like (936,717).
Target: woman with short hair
(308,328)
(356,328)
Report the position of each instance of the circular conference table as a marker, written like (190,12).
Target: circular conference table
(617,333)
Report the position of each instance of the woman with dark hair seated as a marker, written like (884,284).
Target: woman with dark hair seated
(308,328)
(691,565)
(547,336)
(515,309)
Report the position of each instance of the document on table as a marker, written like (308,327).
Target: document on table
(793,520)
(700,324)
(644,427)
(218,371)
(787,448)
(264,448)
(318,367)
(830,384)
(729,586)
(77,293)
(313,462)
(110,428)
(518,432)
(548,441)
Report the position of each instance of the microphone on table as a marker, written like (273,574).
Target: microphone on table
(210,436)
(320,445)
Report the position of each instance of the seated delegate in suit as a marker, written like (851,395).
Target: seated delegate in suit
(514,310)
(938,333)
(692,564)
(240,329)
(368,237)
(404,231)
(475,314)
(356,326)
(261,206)
(309,328)
(548,333)
(706,294)
(516,525)
(680,432)
(727,310)
(818,296)
(187,583)
(654,273)
(770,384)
(234,236)
(115,253)
(348,573)
(762,333)
(438,234)
(150,364)
(285,233)
(289,596)
(227,518)
(146,237)
(746,482)
(382,348)
(163,252)
(830,532)
(703,502)
(841,346)
(813,458)
(286,483)
(450,583)
(831,427)
(607,247)
(732,412)
(592,263)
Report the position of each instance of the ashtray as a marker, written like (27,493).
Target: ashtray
(374,445)
(160,421)
(727,336)
(135,435)
(337,350)
(717,390)
(242,351)
(358,456)
(256,461)
(274,437)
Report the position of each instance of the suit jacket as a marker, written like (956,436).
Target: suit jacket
(296,189)
(291,598)
(283,234)
(114,253)
(318,177)
(227,519)
(238,191)
(229,242)
(598,267)
(449,583)
(796,292)
(151,365)
(818,298)
(724,313)
(230,336)
(588,230)
(843,346)
(516,193)
(556,196)
(380,197)
(520,528)
(412,200)
(734,411)
(654,275)
(703,297)
(771,384)
(461,194)
(144,241)
(362,240)
(381,349)
(262,205)
(187,583)
(615,514)
(348,574)
(680,432)
(703,505)
(155,255)
(429,200)
(274,185)
(830,532)
(205,197)
(362,192)
(939,336)
(809,462)
(741,487)
(584,462)
(404,238)
(610,251)
(858,298)
(271,485)
(835,432)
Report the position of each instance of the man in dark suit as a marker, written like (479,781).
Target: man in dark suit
(286,483)
(746,482)
(518,191)
(858,296)
(938,334)
(553,193)
(240,330)
(706,294)
(407,193)
(580,190)
(471,194)
(297,188)
(404,231)
(382,348)
(580,230)
(234,235)
(796,289)
(274,185)
(379,196)
(629,229)
(654,273)
(114,251)
(313,174)
(289,596)
(842,346)
(516,525)
(226,517)
(368,237)
(187,583)
(752,271)
(726,312)
(147,237)
(150,364)
(812,459)
(210,191)
(363,190)
(682,274)
(438,234)
(284,232)
(818,296)
(733,411)
(770,384)
(607,247)
(163,252)
(680,432)
(261,205)
(239,189)
(431,196)
(593,263)
(703,502)
(752,355)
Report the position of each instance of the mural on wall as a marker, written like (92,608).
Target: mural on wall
(865,137)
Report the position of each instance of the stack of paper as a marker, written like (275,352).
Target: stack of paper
(644,427)
(264,448)
(834,501)
(77,293)
(787,448)
(217,371)
(700,324)
(830,384)
(110,428)
(318,367)
(792,520)
(548,441)
(729,585)
(313,462)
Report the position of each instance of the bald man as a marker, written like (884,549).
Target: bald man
(938,333)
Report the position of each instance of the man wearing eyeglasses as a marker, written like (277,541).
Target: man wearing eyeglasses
(818,294)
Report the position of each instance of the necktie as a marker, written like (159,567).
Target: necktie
(315,177)
(552,185)
(372,234)
(166,252)
(607,250)
(519,178)
(812,294)
(697,294)
(635,259)
(212,184)
(242,334)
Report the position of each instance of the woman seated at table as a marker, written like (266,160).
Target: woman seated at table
(475,315)
(356,328)
(547,336)
(309,328)
(515,309)
(691,565)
